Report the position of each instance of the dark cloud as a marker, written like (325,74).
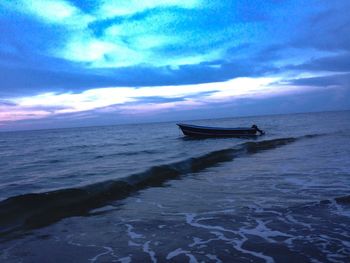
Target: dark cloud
(342,80)
(158,99)
(85,5)
(28,37)
(327,29)
(338,63)
(26,81)
(7,103)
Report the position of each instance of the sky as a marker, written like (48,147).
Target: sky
(67,63)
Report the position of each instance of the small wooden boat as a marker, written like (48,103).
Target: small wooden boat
(204,131)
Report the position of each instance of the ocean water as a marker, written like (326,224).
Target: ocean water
(146,193)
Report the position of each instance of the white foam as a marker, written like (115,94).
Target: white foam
(291,219)
(108,251)
(103,209)
(190,220)
(263,231)
(160,206)
(237,243)
(213,257)
(151,253)
(124,260)
(175,253)
(314,260)
(132,234)
(199,242)
(179,251)
(253,253)
(133,244)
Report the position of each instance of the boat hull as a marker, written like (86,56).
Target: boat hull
(202,131)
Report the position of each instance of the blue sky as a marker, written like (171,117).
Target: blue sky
(72,62)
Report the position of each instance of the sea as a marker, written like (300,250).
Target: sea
(146,193)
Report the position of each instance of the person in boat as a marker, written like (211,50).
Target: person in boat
(255,127)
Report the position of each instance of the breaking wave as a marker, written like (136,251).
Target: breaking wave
(35,210)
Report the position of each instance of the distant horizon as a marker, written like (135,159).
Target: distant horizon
(174,121)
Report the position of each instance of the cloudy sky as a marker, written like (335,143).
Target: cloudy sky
(70,63)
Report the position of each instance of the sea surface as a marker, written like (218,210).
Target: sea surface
(146,193)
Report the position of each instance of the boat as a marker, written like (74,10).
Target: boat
(204,131)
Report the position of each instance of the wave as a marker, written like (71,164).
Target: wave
(35,210)
(344,200)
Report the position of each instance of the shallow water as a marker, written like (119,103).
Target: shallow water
(125,194)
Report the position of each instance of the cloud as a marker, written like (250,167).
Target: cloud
(338,80)
(112,8)
(51,11)
(336,63)
(68,78)
(149,33)
(143,98)
(17,81)
(155,39)
(152,34)
(326,29)
(136,102)
(113,48)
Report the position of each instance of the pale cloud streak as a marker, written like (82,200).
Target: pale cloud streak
(112,8)
(59,12)
(16,113)
(134,100)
